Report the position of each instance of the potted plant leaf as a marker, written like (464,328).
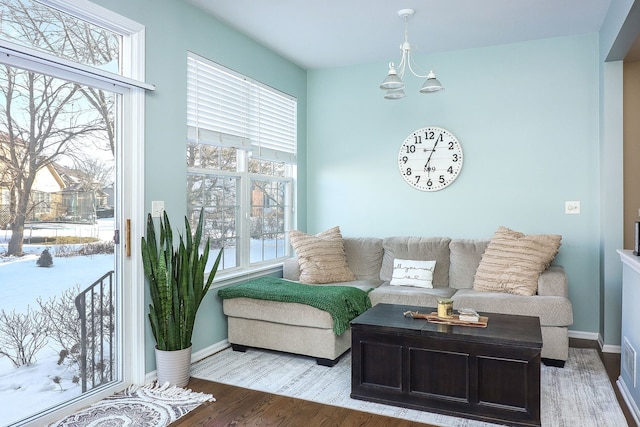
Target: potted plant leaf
(177,284)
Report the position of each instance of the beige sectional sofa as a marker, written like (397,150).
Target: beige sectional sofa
(302,329)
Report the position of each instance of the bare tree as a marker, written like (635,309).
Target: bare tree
(44,118)
(36,115)
(93,172)
(22,336)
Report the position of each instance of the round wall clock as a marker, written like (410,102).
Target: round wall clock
(430,158)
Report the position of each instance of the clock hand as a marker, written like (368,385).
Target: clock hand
(427,168)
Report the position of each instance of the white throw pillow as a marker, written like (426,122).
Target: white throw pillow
(408,272)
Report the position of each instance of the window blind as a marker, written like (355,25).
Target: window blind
(225,108)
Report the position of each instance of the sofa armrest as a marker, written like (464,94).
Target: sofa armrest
(291,269)
(553,282)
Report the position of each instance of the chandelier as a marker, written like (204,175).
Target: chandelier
(393,83)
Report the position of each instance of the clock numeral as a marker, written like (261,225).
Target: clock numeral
(451,145)
(450,169)
(417,139)
(441,179)
(418,178)
(411,148)
(429,183)
(432,135)
(408,171)
(455,157)
(405,159)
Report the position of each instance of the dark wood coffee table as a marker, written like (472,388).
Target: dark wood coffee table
(491,374)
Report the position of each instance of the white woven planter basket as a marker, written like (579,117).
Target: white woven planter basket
(173,366)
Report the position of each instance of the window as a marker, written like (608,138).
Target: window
(41,203)
(37,25)
(241,163)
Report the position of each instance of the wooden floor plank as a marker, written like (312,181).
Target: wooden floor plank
(235,406)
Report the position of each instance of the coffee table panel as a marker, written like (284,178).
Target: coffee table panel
(377,356)
(439,374)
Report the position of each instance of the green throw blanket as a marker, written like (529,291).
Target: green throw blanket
(343,303)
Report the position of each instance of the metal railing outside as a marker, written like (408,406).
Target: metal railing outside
(97,325)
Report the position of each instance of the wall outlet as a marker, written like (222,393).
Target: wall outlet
(157,207)
(572,207)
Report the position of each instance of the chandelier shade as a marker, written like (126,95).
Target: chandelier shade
(432,84)
(395,94)
(393,83)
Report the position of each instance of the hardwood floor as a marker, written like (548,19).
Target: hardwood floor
(236,406)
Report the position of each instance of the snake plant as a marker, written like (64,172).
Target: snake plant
(176,280)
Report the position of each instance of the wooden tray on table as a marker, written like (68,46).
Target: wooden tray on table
(455,320)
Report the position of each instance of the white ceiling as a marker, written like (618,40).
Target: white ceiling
(332,33)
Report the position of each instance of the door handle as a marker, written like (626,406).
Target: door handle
(127,237)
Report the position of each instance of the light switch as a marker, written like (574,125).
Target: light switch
(157,207)
(572,207)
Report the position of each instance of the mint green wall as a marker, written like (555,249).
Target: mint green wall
(526,115)
(172,28)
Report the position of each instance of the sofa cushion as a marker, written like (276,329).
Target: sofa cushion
(513,262)
(364,256)
(408,272)
(552,310)
(417,248)
(288,313)
(406,295)
(322,257)
(465,258)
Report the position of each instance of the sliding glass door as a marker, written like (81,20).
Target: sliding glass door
(59,324)
(71,132)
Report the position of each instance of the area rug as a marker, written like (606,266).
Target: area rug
(579,394)
(148,406)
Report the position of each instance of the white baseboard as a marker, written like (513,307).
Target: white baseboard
(633,408)
(594,336)
(208,351)
(608,348)
(195,357)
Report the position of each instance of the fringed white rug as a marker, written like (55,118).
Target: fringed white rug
(147,406)
(579,394)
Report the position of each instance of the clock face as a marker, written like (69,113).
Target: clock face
(430,158)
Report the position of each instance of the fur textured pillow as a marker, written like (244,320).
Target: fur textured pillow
(513,262)
(322,257)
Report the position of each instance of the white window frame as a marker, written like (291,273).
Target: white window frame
(130,84)
(249,145)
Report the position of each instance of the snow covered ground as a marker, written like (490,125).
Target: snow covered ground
(27,390)
(30,389)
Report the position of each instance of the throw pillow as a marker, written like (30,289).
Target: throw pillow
(321,257)
(513,262)
(407,272)
(421,248)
